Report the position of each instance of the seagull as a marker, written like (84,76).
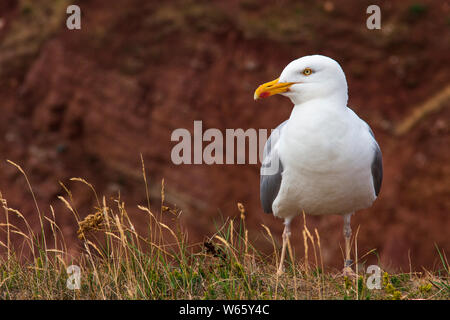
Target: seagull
(324,159)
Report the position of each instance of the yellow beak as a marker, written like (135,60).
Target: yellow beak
(270,88)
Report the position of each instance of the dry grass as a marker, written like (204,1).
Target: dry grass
(433,104)
(117,262)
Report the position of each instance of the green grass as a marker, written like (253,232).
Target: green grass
(117,262)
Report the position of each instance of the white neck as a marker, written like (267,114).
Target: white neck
(336,102)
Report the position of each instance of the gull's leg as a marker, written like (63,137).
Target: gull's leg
(286,234)
(347,235)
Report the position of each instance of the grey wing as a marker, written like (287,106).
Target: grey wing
(271,170)
(377,165)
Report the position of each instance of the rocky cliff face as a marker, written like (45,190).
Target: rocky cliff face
(87,103)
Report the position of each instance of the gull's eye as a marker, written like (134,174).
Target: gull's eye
(307,71)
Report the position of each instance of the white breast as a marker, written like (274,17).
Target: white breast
(327,155)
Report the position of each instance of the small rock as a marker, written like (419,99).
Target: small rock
(385,124)
(420,160)
(394,60)
(251,65)
(113,188)
(328,6)
(10,137)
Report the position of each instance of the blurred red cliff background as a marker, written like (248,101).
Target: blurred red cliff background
(86,103)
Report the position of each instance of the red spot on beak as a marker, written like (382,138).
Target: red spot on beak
(264,94)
